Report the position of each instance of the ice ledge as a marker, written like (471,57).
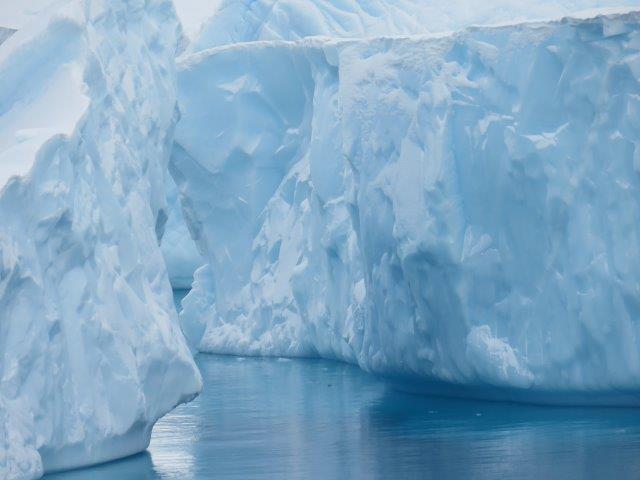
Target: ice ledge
(190,59)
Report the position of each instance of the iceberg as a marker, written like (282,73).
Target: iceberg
(91,349)
(453,211)
(19,458)
(209,24)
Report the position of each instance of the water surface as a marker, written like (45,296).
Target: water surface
(275,419)
(289,419)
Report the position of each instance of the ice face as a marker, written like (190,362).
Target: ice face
(456,210)
(5,33)
(91,350)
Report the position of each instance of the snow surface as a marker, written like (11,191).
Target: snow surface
(458,210)
(234,21)
(91,349)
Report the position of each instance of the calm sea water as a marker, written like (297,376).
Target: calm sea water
(314,419)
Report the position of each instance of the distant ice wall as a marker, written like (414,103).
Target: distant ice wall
(457,210)
(91,352)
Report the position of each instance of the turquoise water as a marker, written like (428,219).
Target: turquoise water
(314,419)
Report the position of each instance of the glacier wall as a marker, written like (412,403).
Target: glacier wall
(212,23)
(91,349)
(457,210)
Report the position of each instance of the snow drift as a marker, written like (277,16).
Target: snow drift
(456,210)
(91,350)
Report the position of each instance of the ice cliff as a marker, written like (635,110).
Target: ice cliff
(458,210)
(211,23)
(91,352)
(5,33)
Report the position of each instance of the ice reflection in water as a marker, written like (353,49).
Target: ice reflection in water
(271,419)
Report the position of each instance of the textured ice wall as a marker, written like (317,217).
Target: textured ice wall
(91,352)
(19,458)
(232,21)
(17,14)
(212,23)
(461,210)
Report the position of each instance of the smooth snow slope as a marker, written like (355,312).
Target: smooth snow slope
(91,350)
(457,210)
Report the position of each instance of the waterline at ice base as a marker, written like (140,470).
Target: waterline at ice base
(444,194)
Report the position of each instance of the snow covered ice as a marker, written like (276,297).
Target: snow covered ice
(179,251)
(91,350)
(451,207)
(458,210)
(220,22)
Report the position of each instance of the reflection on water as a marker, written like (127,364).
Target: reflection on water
(274,419)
